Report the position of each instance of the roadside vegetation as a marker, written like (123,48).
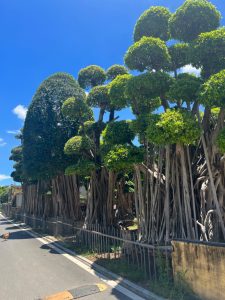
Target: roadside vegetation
(161,172)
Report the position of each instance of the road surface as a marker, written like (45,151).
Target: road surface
(31,271)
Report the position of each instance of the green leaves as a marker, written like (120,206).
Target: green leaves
(82,168)
(122,158)
(91,76)
(46,129)
(148,53)
(180,56)
(153,22)
(117,87)
(221,141)
(193,18)
(172,127)
(185,88)
(118,133)
(115,71)
(212,93)
(208,52)
(143,91)
(76,110)
(99,97)
(78,144)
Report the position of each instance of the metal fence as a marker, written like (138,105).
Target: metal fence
(108,246)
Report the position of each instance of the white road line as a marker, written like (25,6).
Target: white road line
(112,283)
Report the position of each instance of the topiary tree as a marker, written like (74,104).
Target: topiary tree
(148,53)
(115,71)
(153,23)
(91,76)
(117,94)
(193,18)
(46,130)
(208,52)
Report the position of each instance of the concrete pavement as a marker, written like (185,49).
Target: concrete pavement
(30,270)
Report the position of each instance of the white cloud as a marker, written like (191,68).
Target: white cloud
(2,142)
(190,69)
(4,177)
(20,111)
(13,131)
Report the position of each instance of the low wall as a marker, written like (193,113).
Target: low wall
(203,266)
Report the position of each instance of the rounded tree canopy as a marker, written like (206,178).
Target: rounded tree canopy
(99,97)
(153,22)
(115,70)
(173,127)
(193,18)
(185,88)
(123,157)
(16,154)
(117,93)
(77,110)
(144,90)
(209,52)
(179,56)
(212,93)
(118,133)
(147,54)
(91,76)
(77,145)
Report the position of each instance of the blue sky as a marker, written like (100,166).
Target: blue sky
(41,37)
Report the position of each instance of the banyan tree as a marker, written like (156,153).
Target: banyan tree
(176,169)
(47,192)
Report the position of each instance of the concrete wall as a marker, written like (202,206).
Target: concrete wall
(19,198)
(204,265)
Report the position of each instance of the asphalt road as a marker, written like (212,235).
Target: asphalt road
(30,270)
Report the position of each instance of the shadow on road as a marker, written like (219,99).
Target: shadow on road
(46,247)
(19,235)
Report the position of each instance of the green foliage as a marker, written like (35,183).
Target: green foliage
(87,128)
(16,154)
(193,18)
(76,110)
(221,141)
(185,88)
(208,52)
(144,91)
(212,93)
(4,194)
(179,56)
(91,76)
(122,157)
(46,129)
(147,54)
(115,70)
(172,127)
(82,168)
(118,97)
(140,125)
(99,97)
(153,22)
(118,133)
(77,145)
